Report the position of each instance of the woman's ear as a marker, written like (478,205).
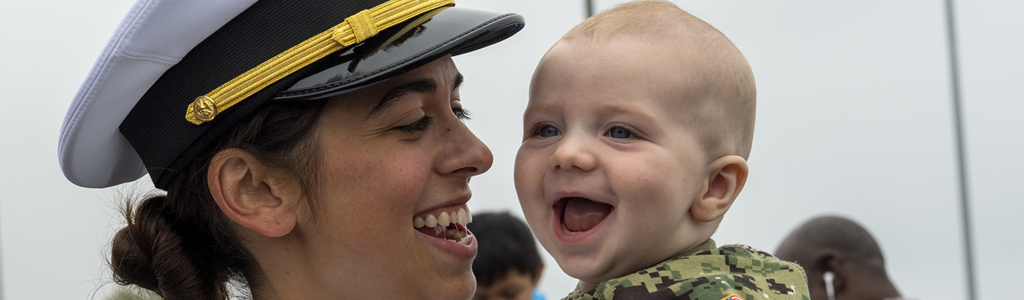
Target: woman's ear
(725,178)
(251,194)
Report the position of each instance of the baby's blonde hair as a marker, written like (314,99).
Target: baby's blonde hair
(724,113)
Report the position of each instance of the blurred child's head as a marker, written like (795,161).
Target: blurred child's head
(507,264)
(636,136)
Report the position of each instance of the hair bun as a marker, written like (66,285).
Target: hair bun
(147,252)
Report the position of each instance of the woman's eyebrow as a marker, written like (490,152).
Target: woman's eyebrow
(395,94)
(458,81)
(415,86)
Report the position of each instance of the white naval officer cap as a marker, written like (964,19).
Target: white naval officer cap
(177,74)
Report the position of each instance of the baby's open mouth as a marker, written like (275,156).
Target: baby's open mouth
(581,214)
(450,226)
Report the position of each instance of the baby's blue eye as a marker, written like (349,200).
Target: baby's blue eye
(549,131)
(620,133)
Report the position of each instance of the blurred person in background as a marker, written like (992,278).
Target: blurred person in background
(507,264)
(842,260)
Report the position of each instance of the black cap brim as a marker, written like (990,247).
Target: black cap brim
(452,31)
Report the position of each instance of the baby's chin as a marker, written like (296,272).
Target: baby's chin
(599,268)
(593,270)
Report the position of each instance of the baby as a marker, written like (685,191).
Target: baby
(635,144)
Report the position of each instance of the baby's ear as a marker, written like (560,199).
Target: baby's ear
(725,178)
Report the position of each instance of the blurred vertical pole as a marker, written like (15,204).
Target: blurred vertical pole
(1,263)
(590,7)
(965,212)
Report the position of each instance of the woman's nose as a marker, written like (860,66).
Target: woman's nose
(573,153)
(467,155)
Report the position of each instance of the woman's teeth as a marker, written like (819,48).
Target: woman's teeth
(444,219)
(449,226)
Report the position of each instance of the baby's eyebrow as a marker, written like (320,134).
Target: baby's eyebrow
(532,109)
(631,110)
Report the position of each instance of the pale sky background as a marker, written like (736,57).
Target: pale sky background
(854,118)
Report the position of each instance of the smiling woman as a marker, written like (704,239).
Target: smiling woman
(322,159)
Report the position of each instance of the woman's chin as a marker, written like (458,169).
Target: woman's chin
(453,264)
(459,285)
(466,286)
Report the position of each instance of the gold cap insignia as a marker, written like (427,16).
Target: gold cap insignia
(203,109)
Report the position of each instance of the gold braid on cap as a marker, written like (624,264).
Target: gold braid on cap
(355,29)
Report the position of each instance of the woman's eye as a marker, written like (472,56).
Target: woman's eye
(461,113)
(620,133)
(418,126)
(548,131)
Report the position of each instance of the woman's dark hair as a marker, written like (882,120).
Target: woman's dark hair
(180,245)
(505,243)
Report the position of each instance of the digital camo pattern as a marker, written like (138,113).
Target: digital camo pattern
(708,273)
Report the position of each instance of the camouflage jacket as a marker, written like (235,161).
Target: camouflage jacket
(732,272)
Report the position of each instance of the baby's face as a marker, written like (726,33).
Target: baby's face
(607,170)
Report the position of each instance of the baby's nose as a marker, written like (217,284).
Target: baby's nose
(573,153)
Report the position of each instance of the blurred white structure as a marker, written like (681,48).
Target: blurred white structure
(854,118)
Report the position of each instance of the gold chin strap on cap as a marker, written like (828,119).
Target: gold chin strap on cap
(355,29)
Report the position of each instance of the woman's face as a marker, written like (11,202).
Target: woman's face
(391,153)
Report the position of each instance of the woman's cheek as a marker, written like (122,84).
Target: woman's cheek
(407,166)
(379,167)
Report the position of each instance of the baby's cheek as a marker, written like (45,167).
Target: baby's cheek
(528,175)
(659,185)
